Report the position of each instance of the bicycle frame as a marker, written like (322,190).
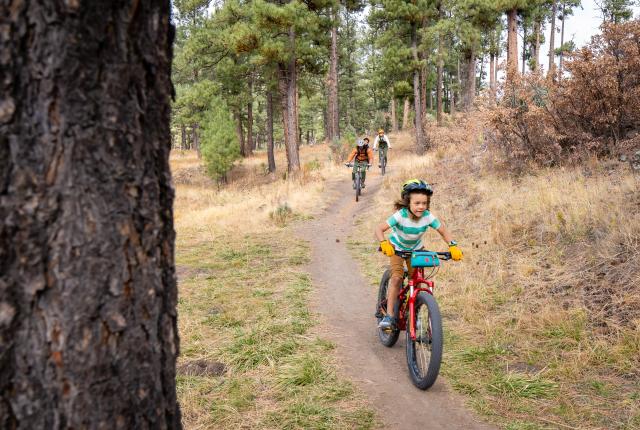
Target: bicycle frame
(411,288)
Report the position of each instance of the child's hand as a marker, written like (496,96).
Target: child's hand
(387,249)
(456,253)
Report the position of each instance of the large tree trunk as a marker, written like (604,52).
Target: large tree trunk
(240,133)
(334,114)
(88,332)
(183,136)
(394,116)
(288,83)
(421,143)
(405,114)
(470,81)
(270,153)
(512,44)
(552,54)
(479,79)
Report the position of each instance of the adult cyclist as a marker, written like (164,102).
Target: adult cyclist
(382,142)
(362,157)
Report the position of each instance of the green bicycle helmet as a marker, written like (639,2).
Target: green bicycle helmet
(415,185)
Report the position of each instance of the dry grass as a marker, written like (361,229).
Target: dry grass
(548,297)
(250,357)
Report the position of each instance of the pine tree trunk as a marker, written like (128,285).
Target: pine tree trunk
(524,49)
(564,17)
(270,152)
(430,97)
(250,145)
(240,133)
(88,324)
(552,64)
(439,83)
(423,90)
(470,81)
(288,83)
(512,44)
(492,74)
(479,79)
(405,114)
(334,114)
(452,97)
(183,137)
(394,116)
(196,139)
(421,144)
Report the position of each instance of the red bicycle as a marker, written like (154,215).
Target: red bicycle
(417,313)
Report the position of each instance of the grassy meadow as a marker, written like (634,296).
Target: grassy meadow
(251,354)
(542,318)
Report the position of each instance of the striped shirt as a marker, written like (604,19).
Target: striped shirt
(406,232)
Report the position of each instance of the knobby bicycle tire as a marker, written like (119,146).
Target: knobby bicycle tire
(430,338)
(358,185)
(384,165)
(388,339)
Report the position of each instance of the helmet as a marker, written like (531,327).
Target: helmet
(415,185)
(360,142)
(381,131)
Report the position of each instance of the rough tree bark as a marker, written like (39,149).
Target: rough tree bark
(470,81)
(524,49)
(196,138)
(394,116)
(240,133)
(405,114)
(88,333)
(250,142)
(564,17)
(552,54)
(332,81)
(512,44)
(183,136)
(492,74)
(536,54)
(421,143)
(270,154)
(287,80)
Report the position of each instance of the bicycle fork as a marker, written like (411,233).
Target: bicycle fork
(413,293)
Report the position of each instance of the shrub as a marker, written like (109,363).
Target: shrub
(595,110)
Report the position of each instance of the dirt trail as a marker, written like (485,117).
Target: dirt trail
(346,304)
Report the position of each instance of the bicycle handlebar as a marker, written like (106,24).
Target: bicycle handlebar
(406,254)
(351,165)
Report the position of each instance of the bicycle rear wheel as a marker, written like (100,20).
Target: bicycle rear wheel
(424,354)
(387,338)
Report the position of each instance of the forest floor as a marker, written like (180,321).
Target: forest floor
(542,318)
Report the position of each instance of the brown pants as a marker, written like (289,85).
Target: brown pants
(397,266)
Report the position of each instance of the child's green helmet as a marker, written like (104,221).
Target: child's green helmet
(415,185)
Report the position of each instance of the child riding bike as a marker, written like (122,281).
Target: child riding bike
(410,221)
(381,141)
(362,157)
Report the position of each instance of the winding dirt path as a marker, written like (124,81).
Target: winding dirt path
(346,304)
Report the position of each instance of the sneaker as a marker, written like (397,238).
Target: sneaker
(387,324)
(379,166)
(354,185)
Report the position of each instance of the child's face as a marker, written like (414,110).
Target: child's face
(418,204)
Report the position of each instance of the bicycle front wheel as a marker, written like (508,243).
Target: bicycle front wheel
(384,165)
(424,354)
(358,185)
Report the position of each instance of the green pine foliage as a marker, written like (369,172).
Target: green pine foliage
(220,146)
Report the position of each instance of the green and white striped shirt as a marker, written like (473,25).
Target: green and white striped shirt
(407,233)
